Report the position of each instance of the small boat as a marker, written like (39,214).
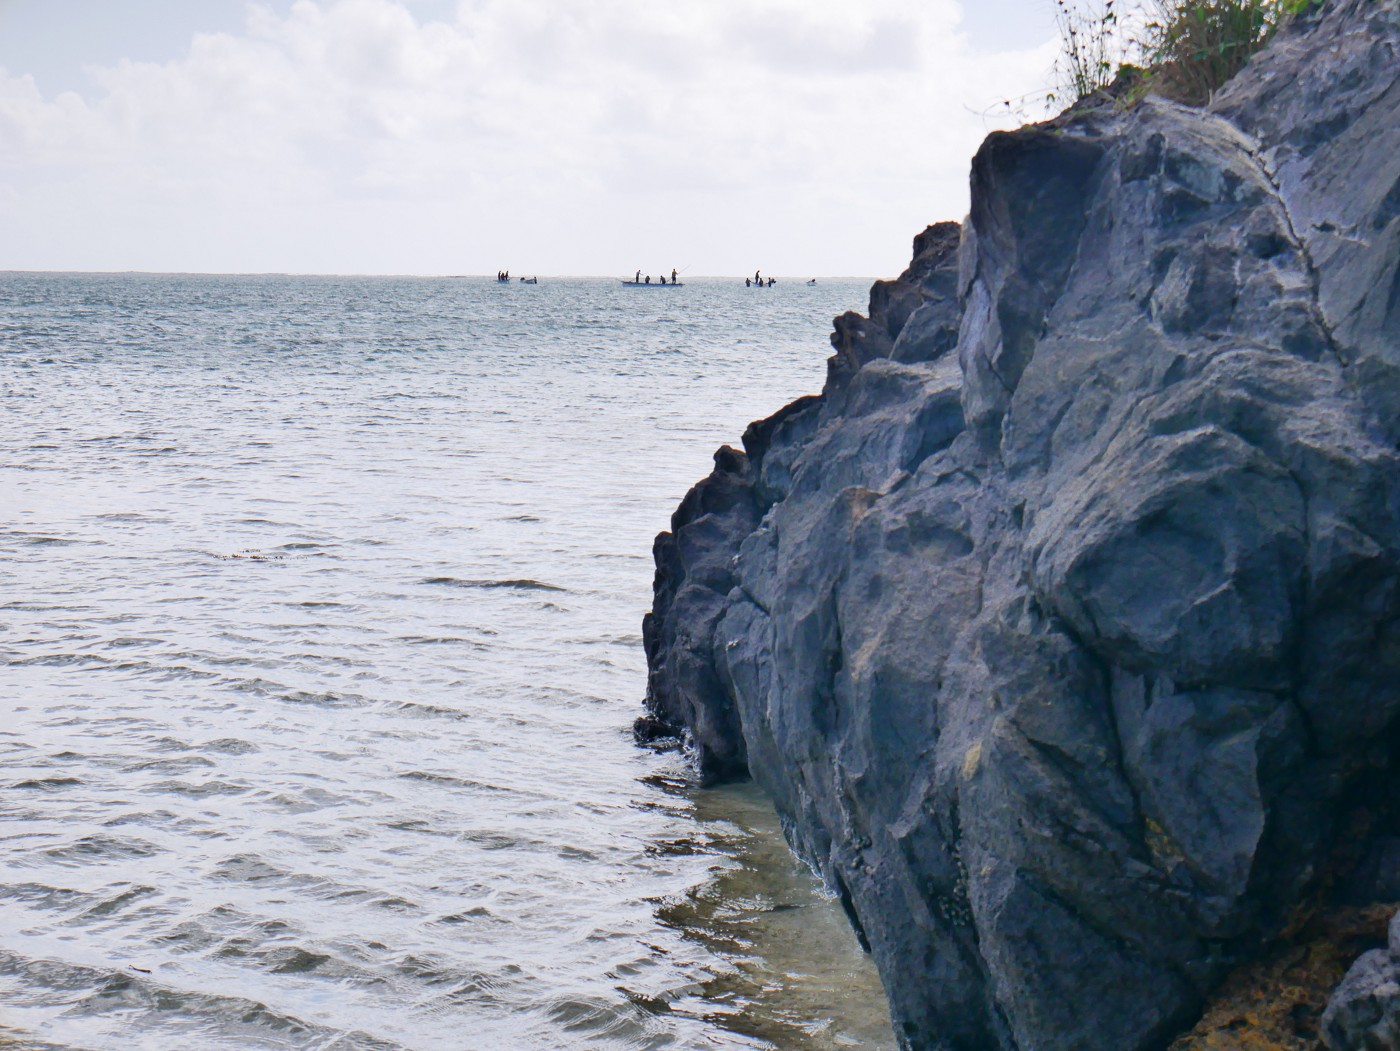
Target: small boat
(811,282)
(529,280)
(654,284)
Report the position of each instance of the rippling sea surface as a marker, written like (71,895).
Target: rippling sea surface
(320,606)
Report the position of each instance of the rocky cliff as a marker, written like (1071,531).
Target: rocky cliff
(1063,627)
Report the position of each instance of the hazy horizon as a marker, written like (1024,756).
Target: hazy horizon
(426,276)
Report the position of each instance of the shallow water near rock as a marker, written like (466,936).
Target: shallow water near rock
(320,636)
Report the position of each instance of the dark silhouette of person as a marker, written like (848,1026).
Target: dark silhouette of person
(648,281)
(673,275)
(748,283)
(756,279)
(638,279)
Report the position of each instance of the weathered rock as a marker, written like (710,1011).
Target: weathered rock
(1364,1012)
(912,318)
(693,576)
(1064,625)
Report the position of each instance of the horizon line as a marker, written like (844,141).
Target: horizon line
(482,276)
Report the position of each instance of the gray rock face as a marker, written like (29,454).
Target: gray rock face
(1063,626)
(1364,1012)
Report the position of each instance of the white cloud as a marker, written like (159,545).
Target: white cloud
(345,135)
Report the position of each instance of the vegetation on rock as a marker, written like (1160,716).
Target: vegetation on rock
(1181,49)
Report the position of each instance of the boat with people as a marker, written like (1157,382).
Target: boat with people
(502,277)
(529,280)
(639,282)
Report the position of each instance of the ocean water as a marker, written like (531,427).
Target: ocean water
(320,606)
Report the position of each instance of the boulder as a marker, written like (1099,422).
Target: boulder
(1364,1012)
(1063,627)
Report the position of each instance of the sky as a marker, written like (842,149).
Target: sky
(800,137)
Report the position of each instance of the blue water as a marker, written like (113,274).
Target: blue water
(320,607)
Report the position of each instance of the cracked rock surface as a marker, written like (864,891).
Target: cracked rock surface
(1063,627)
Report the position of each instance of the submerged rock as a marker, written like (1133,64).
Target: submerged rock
(1064,626)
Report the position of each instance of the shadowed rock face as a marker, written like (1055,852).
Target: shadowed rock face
(1063,625)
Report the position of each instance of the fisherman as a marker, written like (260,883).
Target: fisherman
(757,280)
(648,281)
(748,283)
(638,279)
(663,279)
(673,275)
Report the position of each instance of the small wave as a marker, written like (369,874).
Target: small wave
(147,1002)
(90,847)
(200,791)
(295,960)
(429,711)
(132,640)
(446,640)
(245,868)
(602,1020)
(44,896)
(41,540)
(517,584)
(449,780)
(229,746)
(42,607)
(490,840)
(181,765)
(480,912)
(418,826)
(48,782)
(119,901)
(59,660)
(127,516)
(323,700)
